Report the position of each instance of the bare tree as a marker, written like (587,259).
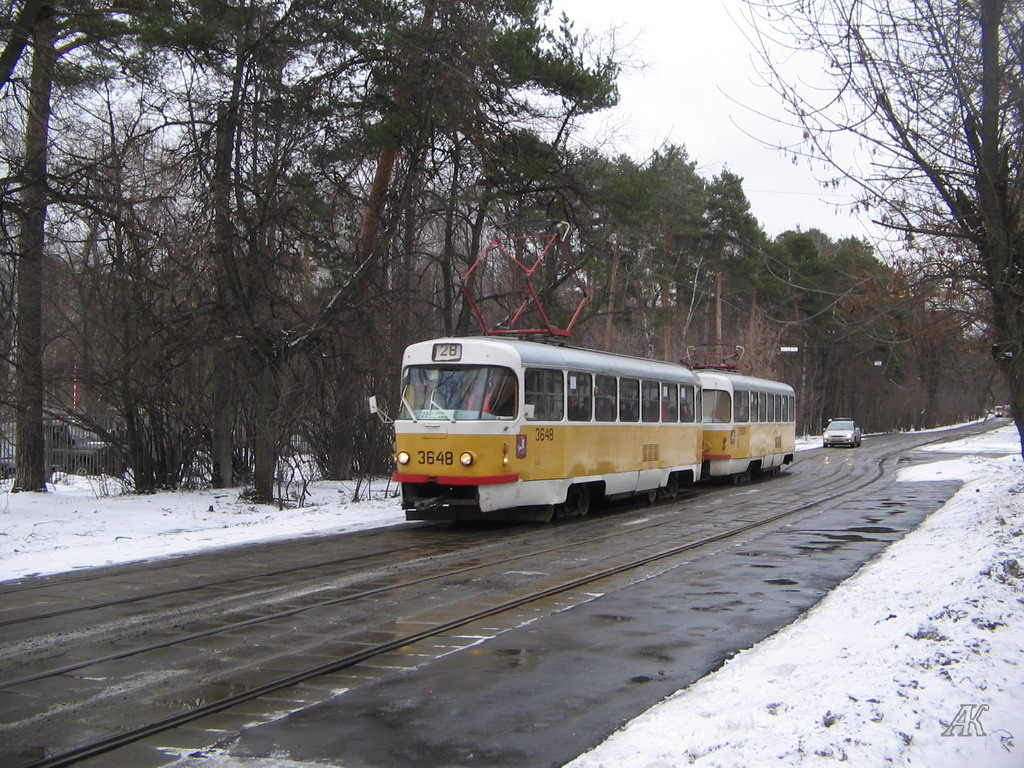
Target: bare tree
(32,475)
(933,90)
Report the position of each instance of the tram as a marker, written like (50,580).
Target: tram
(749,425)
(503,428)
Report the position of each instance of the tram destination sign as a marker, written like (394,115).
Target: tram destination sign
(447,353)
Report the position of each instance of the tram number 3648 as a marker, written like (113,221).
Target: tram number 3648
(437,457)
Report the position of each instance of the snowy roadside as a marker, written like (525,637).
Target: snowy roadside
(74,526)
(918,659)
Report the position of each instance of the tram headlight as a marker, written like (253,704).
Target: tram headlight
(466,458)
(402,457)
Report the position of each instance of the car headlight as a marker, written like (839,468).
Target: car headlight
(402,457)
(466,458)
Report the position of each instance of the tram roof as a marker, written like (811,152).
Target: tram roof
(532,353)
(741,382)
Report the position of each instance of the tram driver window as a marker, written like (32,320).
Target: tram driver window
(717,406)
(545,392)
(581,396)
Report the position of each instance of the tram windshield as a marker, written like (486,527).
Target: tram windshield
(717,406)
(469,392)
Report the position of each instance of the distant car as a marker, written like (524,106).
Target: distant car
(1002,412)
(841,432)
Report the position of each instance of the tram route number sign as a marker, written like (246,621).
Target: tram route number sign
(447,353)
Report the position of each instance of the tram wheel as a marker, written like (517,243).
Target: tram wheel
(577,501)
(671,489)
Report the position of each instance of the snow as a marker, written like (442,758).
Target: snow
(76,526)
(916,660)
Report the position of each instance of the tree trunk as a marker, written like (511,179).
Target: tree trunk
(612,287)
(31,456)
(230,288)
(1002,263)
(223,429)
(267,384)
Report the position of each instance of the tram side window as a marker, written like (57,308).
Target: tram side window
(776,411)
(792,408)
(687,404)
(629,400)
(650,403)
(581,396)
(762,406)
(606,397)
(717,406)
(544,391)
(670,403)
(742,406)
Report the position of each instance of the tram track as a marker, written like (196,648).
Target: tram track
(841,483)
(362,595)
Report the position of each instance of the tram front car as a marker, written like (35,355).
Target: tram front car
(507,429)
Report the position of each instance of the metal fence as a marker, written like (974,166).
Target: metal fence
(70,449)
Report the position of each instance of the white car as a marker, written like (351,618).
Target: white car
(841,432)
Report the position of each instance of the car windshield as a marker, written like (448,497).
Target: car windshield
(837,425)
(459,392)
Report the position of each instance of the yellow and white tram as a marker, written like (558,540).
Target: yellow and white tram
(503,428)
(749,424)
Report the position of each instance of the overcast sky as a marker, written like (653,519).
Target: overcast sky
(700,78)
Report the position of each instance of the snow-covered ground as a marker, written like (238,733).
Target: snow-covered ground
(76,526)
(917,660)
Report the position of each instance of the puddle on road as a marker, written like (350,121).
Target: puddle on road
(659,656)
(819,546)
(512,657)
(847,537)
(781,582)
(643,679)
(612,617)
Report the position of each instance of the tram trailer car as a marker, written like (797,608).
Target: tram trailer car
(749,425)
(493,428)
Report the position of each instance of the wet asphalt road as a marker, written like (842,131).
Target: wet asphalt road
(544,693)
(530,687)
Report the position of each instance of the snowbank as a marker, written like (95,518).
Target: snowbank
(918,659)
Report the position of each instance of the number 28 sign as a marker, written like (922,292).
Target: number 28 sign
(447,353)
